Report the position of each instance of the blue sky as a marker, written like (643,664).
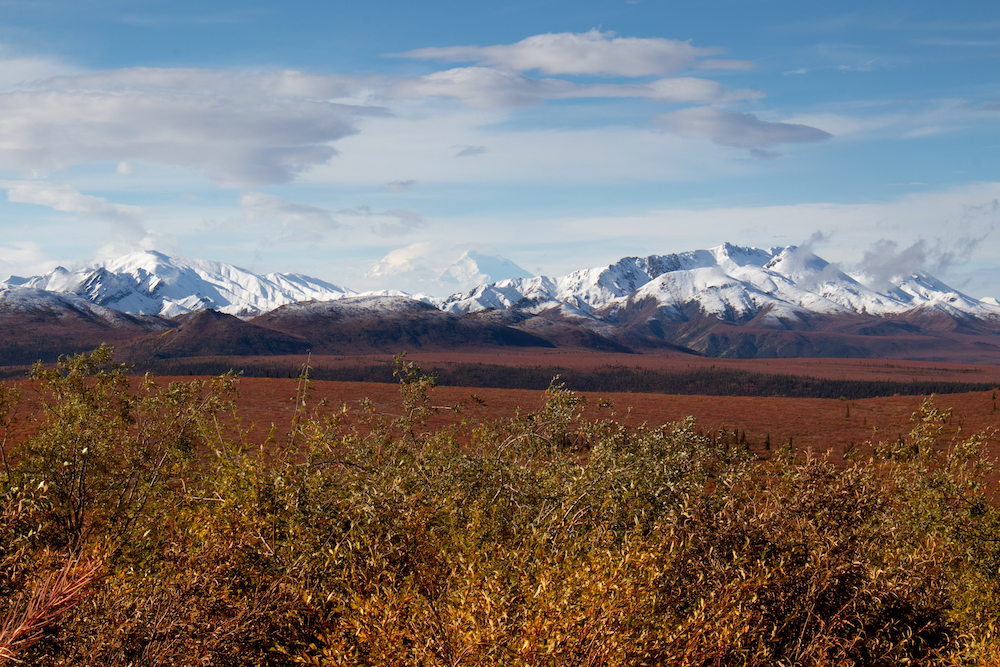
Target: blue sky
(331,138)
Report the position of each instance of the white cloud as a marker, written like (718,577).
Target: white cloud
(857,58)
(885,119)
(127,228)
(489,88)
(883,261)
(393,222)
(18,69)
(742,130)
(438,268)
(842,125)
(300,222)
(471,151)
(592,52)
(694,91)
(398,186)
(261,128)
(927,131)
(68,199)
(277,83)
(21,258)
(239,129)
(410,259)
(414,269)
(482,87)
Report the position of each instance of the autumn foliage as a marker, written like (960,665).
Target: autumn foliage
(148,525)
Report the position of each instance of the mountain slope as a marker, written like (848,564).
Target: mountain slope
(36,325)
(367,324)
(209,333)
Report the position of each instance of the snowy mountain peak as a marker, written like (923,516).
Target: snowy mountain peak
(730,282)
(473,268)
(728,254)
(417,266)
(803,267)
(149,282)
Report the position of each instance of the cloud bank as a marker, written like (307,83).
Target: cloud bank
(241,130)
(253,129)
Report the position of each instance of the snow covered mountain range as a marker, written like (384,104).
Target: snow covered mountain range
(725,301)
(731,283)
(152,283)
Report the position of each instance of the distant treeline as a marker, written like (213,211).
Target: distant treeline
(703,382)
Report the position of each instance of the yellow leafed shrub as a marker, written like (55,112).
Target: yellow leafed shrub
(548,538)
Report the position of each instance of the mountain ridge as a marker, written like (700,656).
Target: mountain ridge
(727,281)
(150,282)
(724,301)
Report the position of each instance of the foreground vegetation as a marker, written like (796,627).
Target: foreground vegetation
(149,526)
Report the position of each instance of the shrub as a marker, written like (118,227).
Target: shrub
(560,536)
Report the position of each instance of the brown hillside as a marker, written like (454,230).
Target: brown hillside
(211,333)
(367,325)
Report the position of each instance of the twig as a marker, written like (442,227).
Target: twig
(57,593)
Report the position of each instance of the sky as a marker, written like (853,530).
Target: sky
(371,144)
